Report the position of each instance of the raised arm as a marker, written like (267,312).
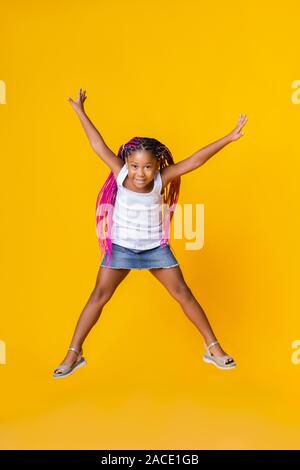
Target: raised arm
(99,146)
(201,156)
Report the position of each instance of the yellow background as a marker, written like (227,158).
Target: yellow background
(180,72)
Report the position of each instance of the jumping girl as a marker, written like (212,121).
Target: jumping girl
(135,235)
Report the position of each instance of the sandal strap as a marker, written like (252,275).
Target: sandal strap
(212,344)
(62,367)
(74,349)
(223,360)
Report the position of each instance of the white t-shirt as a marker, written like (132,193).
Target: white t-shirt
(137,217)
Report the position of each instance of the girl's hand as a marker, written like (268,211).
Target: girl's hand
(78,104)
(236,133)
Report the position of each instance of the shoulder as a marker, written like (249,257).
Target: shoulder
(159,183)
(170,172)
(164,177)
(119,170)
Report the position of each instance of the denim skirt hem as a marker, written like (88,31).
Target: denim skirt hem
(150,267)
(127,258)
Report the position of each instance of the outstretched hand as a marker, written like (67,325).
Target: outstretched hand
(236,133)
(78,104)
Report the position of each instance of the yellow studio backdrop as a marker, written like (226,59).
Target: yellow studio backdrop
(180,72)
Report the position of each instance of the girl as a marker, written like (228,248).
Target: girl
(131,230)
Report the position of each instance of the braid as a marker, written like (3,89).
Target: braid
(107,194)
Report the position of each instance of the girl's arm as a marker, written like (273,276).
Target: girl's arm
(95,138)
(201,156)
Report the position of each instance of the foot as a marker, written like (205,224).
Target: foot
(71,358)
(216,355)
(216,350)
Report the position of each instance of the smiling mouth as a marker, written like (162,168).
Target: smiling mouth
(140,181)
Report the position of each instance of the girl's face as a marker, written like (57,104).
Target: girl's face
(142,168)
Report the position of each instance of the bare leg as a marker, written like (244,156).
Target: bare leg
(107,281)
(173,280)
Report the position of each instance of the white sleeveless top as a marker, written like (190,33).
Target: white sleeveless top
(137,217)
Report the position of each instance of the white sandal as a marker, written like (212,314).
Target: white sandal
(222,362)
(68,370)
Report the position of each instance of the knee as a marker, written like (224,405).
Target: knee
(101,296)
(182,293)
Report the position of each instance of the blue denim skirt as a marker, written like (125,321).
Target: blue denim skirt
(127,258)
